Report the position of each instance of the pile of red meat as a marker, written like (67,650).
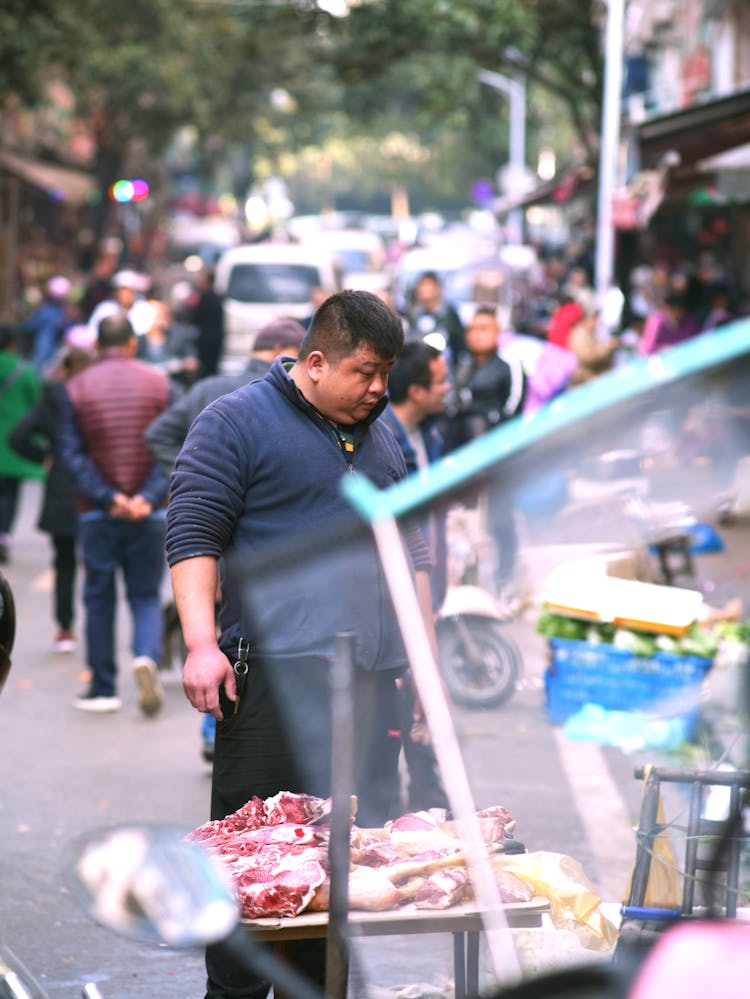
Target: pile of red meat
(277,853)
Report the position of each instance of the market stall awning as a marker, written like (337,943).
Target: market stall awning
(697,132)
(731,160)
(66,184)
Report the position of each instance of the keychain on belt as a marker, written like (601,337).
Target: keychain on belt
(240,670)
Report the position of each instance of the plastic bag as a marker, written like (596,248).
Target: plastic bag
(573,902)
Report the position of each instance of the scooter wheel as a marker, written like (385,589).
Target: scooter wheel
(479,661)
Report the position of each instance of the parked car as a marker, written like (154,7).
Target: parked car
(264,281)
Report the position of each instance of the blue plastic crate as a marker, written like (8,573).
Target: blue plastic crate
(586,673)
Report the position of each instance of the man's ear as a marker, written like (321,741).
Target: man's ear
(315,365)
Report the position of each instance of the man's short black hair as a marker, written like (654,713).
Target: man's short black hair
(115,330)
(430,276)
(351,319)
(486,310)
(412,368)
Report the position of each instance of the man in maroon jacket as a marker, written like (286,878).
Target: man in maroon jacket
(122,495)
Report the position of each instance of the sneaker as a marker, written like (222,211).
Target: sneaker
(64,642)
(147,680)
(97,702)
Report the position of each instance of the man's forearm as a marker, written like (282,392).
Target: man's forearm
(194,583)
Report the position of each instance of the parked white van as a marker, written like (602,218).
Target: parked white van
(355,251)
(264,281)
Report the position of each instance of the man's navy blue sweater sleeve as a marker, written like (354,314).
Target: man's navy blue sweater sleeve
(207,494)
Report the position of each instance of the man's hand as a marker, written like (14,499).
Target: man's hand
(419,731)
(120,506)
(206,669)
(139,507)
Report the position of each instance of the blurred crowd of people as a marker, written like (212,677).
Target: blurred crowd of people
(556,338)
(83,435)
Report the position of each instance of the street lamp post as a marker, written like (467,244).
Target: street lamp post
(608,155)
(515,89)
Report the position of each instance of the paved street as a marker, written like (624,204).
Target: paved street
(64,773)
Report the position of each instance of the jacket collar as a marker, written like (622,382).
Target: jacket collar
(281,379)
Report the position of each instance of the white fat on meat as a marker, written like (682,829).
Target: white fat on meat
(417,832)
(369,889)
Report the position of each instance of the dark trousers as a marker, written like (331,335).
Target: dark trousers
(502,527)
(110,545)
(64,563)
(425,788)
(280,740)
(9,489)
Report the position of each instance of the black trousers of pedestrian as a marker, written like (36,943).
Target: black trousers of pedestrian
(9,489)
(425,787)
(280,740)
(64,563)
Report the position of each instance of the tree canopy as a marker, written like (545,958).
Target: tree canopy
(388,93)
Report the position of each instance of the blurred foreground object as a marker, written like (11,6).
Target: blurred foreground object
(7,628)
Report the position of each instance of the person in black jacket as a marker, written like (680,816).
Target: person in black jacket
(205,310)
(489,390)
(433,319)
(35,438)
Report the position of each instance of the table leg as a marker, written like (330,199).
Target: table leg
(472,963)
(459,965)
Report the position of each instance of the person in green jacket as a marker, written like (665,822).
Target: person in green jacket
(20,388)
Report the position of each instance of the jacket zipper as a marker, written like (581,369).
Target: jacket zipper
(341,444)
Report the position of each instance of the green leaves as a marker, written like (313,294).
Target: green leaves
(141,71)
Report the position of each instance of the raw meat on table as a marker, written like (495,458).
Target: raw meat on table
(442,889)
(277,854)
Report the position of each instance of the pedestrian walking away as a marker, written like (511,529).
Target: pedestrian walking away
(36,438)
(205,310)
(122,494)
(20,389)
(259,465)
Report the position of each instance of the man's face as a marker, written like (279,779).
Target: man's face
(482,334)
(345,391)
(124,297)
(431,401)
(427,293)
(160,315)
